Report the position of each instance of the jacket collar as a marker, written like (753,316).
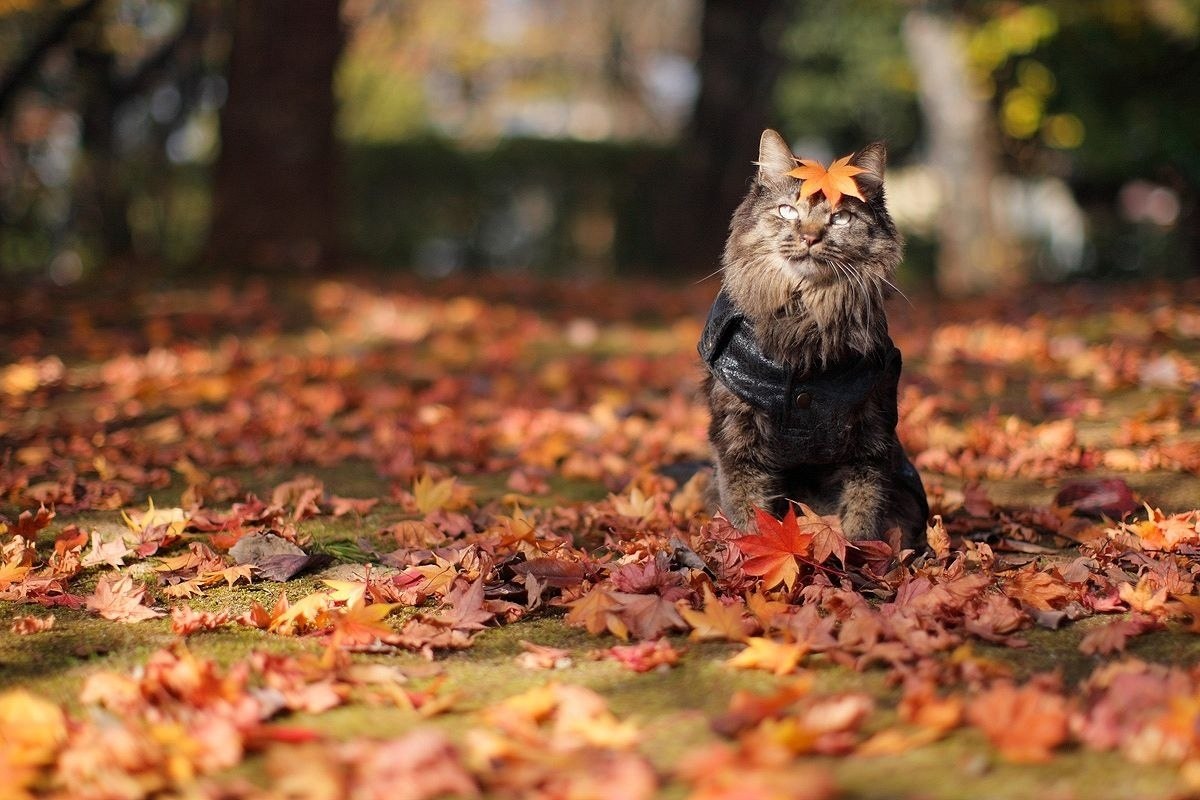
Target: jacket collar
(732,353)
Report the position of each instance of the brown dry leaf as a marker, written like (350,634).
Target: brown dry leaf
(1024,723)
(1041,589)
(644,656)
(118,598)
(30,522)
(828,538)
(1111,637)
(540,656)
(467,612)
(341,506)
(25,625)
(937,539)
(647,616)
(596,612)
(111,552)
(185,620)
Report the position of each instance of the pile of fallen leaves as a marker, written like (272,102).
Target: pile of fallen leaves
(476,419)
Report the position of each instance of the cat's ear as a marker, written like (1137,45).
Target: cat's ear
(775,158)
(873,160)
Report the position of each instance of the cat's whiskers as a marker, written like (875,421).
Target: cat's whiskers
(712,274)
(896,289)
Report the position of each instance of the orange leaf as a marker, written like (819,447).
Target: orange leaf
(1024,724)
(717,620)
(778,657)
(833,182)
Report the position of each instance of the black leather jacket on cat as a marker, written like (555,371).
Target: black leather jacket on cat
(816,414)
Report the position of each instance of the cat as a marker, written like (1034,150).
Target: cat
(802,375)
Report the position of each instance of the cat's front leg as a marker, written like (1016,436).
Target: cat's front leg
(861,506)
(742,487)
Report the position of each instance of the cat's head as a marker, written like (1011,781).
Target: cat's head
(782,245)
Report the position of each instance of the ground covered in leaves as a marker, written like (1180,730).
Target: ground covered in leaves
(341,540)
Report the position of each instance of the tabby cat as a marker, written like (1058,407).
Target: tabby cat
(802,374)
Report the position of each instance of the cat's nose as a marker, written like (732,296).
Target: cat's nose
(811,237)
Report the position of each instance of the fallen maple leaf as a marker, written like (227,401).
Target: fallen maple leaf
(780,658)
(13,572)
(647,616)
(340,506)
(773,551)
(30,522)
(1025,724)
(596,612)
(359,625)
(938,539)
(828,538)
(466,611)
(718,620)
(1043,590)
(25,625)
(540,656)
(118,598)
(1110,497)
(444,495)
(644,656)
(1144,597)
(33,730)
(175,519)
(185,620)
(834,182)
(1113,636)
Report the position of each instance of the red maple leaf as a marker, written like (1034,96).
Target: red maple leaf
(772,552)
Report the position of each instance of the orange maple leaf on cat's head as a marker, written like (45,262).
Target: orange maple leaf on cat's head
(834,182)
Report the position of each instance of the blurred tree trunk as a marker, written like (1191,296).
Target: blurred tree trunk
(102,192)
(275,186)
(976,254)
(738,64)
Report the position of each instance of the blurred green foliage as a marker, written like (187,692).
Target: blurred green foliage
(1101,95)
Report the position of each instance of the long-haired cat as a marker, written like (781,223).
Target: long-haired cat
(802,374)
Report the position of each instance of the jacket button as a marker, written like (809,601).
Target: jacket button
(803,400)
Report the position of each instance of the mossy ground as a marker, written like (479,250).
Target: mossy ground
(673,707)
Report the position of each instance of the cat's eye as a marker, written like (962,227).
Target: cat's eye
(788,212)
(840,217)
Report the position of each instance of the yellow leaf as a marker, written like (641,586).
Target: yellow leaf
(444,495)
(12,572)
(717,620)
(348,592)
(31,728)
(778,657)
(176,519)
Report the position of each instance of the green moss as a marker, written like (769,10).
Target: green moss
(963,765)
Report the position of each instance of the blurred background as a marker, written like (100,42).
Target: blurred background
(169,139)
